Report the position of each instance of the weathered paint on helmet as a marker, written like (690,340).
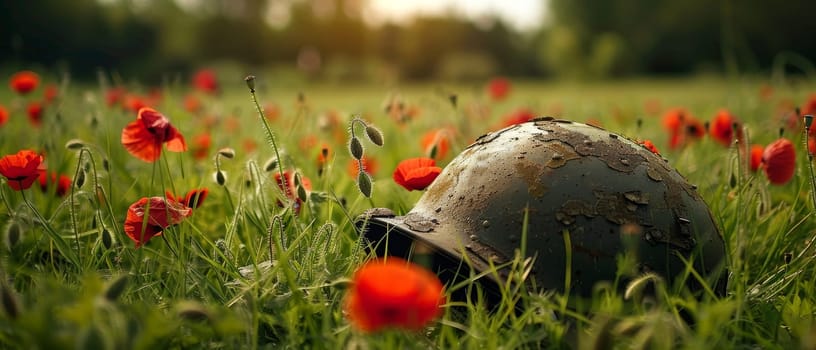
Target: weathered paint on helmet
(563,178)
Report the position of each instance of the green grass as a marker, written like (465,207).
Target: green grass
(208,283)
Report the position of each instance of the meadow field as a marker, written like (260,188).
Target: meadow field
(252,261)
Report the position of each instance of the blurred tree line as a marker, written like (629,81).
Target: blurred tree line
(583,39)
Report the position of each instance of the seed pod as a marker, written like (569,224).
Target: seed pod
(374,135)
(364,183)
(250,81)
(227,152)
(115,288)
(74,144)
(356,148)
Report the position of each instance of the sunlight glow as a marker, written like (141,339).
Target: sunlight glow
(518,14)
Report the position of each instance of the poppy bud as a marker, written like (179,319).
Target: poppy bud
(220,178)
(780,161)
(192,311)
(808,121)
(301,192)
(10,303)
(115,288)
(107,240)
(250,81)
(74,144)
(227,152)
(105,164)
(356,148)
(13,233)
(452,98)
(80,179)
(432,153)
(374,135)
(364,183)
(271,164)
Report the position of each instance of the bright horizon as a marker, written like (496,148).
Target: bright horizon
(518,14)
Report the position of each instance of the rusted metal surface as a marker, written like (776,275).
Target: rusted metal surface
(562,176)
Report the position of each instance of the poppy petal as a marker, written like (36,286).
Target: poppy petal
(139,142)
(175,141)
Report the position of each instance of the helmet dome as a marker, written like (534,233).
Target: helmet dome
(530,185)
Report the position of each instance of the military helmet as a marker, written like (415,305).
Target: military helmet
(546,184)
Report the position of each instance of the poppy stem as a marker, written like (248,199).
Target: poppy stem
(6,203)
(808,120)
(62,246)
(269,135)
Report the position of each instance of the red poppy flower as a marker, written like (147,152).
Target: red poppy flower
(766,92)
(323,156)
(50,94)
(393,293)
(206,81)
(134,103)
(811,143)
(192,103)
(779,159)
(439,139)
(756,156)
(201,146)
(289,188)
(63,183)
(35,113)
(272,112)
(498,88)
(144,137)
(650,146)
(193,198)
(722,128)
(161,214)
(249,145)
(21,169)
(674,119)
(518,116)
(370,166)
(810,105)
(416,173)
(24,82)
(652,106)
(4,115)
(115,96)
(681,126)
